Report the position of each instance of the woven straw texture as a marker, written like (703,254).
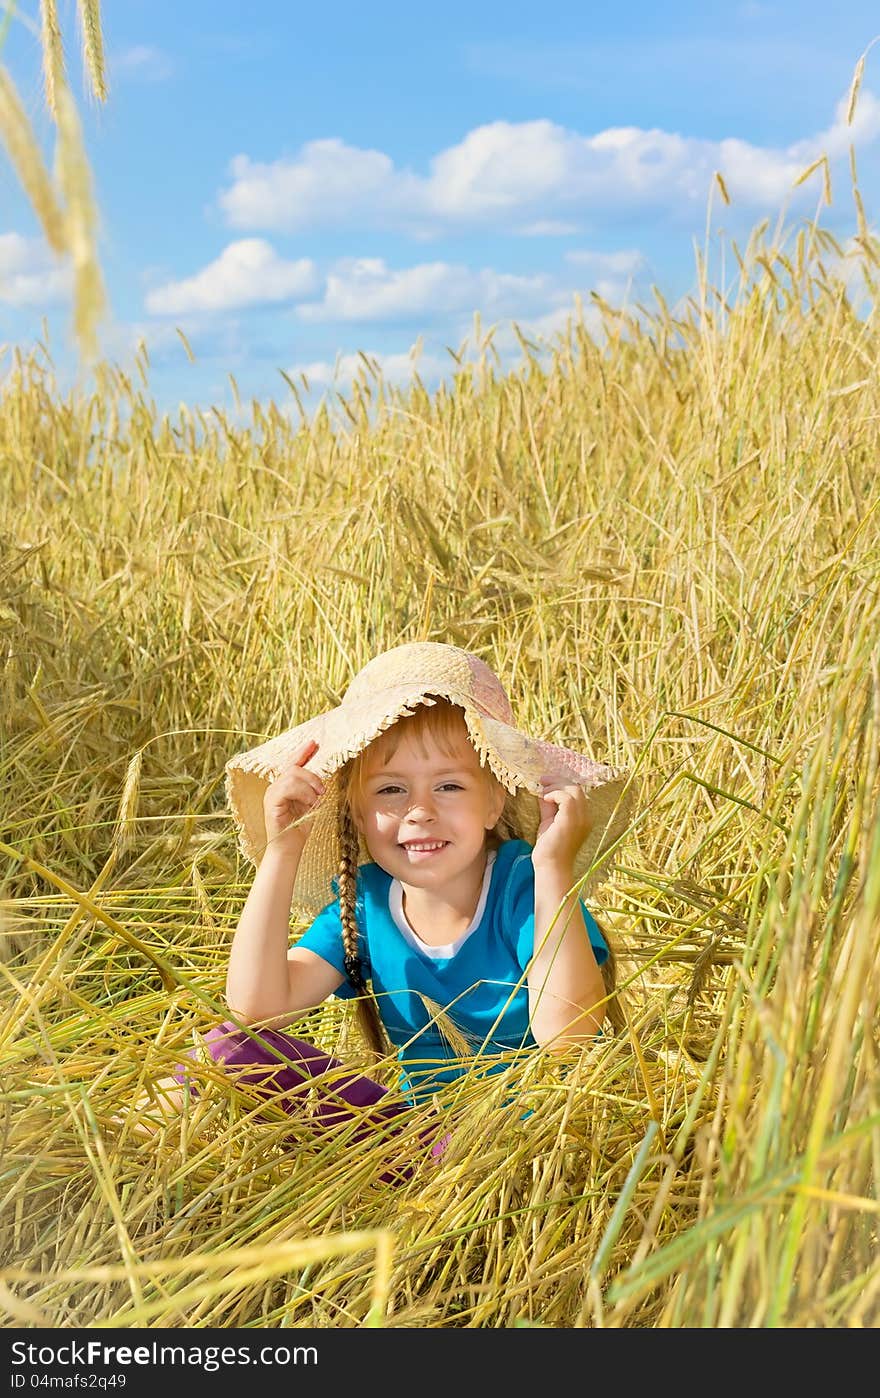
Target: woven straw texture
(391,686)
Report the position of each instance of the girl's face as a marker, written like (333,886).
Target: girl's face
(425,810)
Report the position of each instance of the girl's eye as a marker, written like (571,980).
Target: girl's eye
(395,790)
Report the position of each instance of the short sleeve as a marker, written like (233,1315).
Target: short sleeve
(324,938)
(518,915)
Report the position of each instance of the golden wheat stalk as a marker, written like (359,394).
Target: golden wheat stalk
(460,1044)
(53,53)
(74,177)
(24,152)
(719,180)
(93,46)
(125,828)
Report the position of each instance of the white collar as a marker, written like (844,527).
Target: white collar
(438,953)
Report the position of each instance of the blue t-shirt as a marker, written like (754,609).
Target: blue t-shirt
(482,987)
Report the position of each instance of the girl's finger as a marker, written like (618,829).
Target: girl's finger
(305,751)
(295,770)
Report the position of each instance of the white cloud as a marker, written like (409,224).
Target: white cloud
(525,176)
(394,368)
(120,340)
(328,176)
(547,228)
(753,174)
(549,325)
(247,273)
(626,262)
(837,139)
(29,274)
(367,289)
(500,168)
(144,62)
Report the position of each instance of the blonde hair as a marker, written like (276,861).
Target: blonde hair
(445,722)
(442,719)
(369,1020)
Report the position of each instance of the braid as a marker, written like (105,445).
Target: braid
(367,1009)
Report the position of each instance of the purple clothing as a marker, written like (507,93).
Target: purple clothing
(263,1068)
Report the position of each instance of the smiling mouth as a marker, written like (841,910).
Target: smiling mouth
(424,846)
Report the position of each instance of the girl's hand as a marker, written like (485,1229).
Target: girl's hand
(565,824)
(293,794)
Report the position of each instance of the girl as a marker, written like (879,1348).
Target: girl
(441,849)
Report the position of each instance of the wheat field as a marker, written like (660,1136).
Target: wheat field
(663,537)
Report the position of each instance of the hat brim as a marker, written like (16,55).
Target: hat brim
(523,765)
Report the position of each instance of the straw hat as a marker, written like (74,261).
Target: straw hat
(389,687)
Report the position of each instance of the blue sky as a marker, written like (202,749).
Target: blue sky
(292,184)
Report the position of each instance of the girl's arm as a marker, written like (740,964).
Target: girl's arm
(566,986)
(564,979)
(264,980)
